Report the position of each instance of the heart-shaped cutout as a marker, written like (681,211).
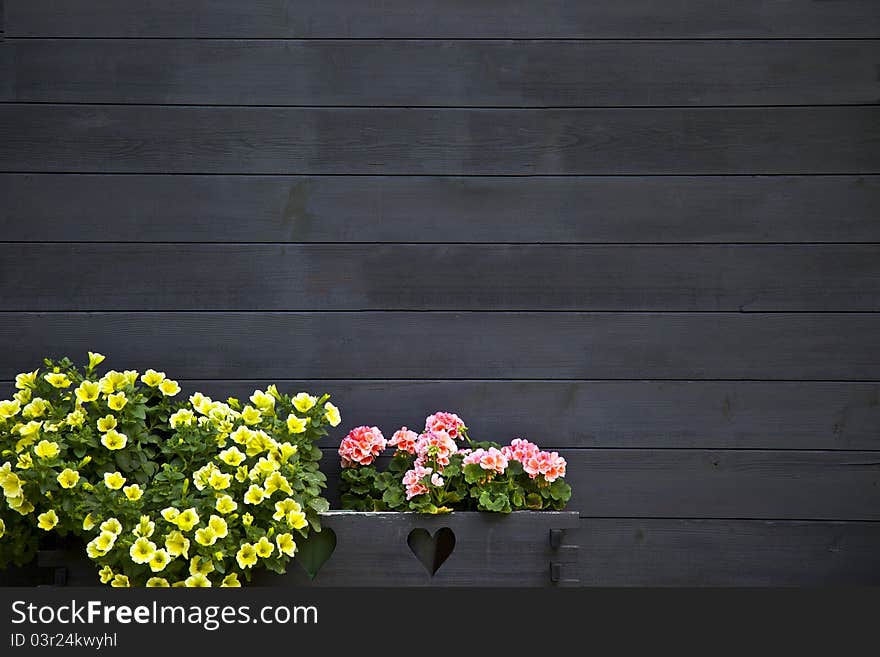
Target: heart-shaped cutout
(313,552)
(434,550)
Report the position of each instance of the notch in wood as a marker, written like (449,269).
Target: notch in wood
(556,536)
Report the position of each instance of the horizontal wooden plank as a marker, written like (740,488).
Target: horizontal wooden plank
(431,209)
(142,139)
(440,18)
(440,277)
(440,73)
(694,483)
(650,552)
(610,414)
(450,345)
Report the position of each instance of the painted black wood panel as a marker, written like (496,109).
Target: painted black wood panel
(669,552)
(747,278)
(441,73)
(442,18)
(134,208)
(694,483)
(450,345)
(152,139)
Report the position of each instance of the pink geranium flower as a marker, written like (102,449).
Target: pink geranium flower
(549,464)
(404,440)
(491,459)
(412,480)
(437,446)
(443,421)
(520,450)
(361,446)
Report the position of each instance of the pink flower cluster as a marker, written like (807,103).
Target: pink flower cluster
(413,480)
(435,445)
(447,422)
(361,446)
(491,459)
(404,440)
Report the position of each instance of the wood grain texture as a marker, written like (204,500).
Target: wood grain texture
(441,277)
(439,18)
(645,552)
(449,345)
(441,73)
(600,209)
(140,139)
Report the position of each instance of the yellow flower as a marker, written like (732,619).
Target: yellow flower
(112,381)
(285,544)
(218,526)
(114,480)
(68,478)
(277,481)
(133,492)
(263,401)
(251,415)
(205,536)
(197,581)
(199,565)
(264,548)
(106,423)
(130,376)
(241,435)
(159,561)
(332,414)
(296,519)
(182,418)
(24,462)
(2,528)
(37,408)
(247,520)
(231,581)
(30,429)
(120,582)
(114,440)
(75,418)
(157,582)
(153,378)
(20,505)
(303,401)
(142,550)
(111,525)
(117,402)
(57,380)
(187,519)
(296,424)
(145,527)
(10,482)
(170,513)
(9,408)
(89,524)
(219,480)
(104,541)
(47,521)
(106,574)
(169,388)
(287,450)
(95,359)
(232,456)
(225,504)
(26,380)
(241,473)
(46,449)
(246,556)
(87,391)
(254,495)
(177,544)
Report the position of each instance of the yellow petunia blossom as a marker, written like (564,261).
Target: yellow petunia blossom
(58,380)
(75,418)
(31,429)
(87,391)
(114,480)
(286,544)
(10,482)
(296,424)
(285,507)
(159,561)
(241,435)
(88,523)
(112,381)
(219,480)
(197,581)
(241,473)
(26,380)
(200,565)
(20,505)
(157,583)
(153,378)
(247,520)
(231,581)
(114,440)
(120,582)
(205,536)
(254,495)
(145,527)
(46,449)
(332,415)
(218,526)
(187,519)
(182,418)
(24,462)
(169,388)
(251,415)
(131,377)
(170,513)
(142,550)
(37,408)
(265,402)
(133,492)
(111,525)
(95,359)
(177,544)
(232,456)
(23,396)
(277,481)
(106,423)
(303,401)
(246,556)
(296,520)
(47,521)
(264,548)
(117,402)
(9,408)
(287,450)
(106,574)
(225,504)
(68,478)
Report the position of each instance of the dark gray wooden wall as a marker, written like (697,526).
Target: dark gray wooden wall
(645,233)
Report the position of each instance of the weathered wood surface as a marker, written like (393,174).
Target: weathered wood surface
(592,209)
(270,140)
